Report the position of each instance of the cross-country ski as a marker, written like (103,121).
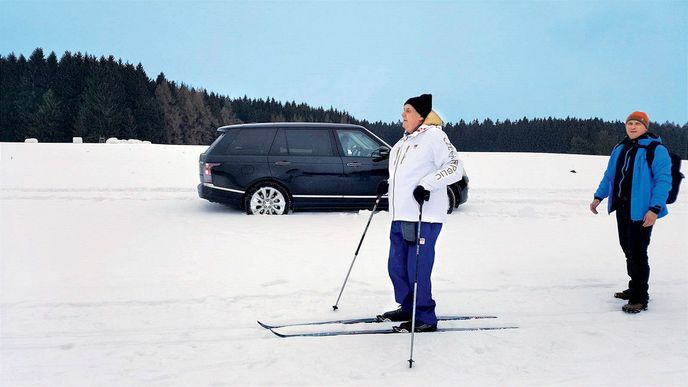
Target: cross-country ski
(366,320)
(381,332)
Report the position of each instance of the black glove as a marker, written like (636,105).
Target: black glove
(421,194)
(382,187)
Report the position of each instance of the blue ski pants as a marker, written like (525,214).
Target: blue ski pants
(402,269)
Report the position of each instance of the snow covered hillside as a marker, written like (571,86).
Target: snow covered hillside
(114,273)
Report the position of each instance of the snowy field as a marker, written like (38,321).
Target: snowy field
(114,273)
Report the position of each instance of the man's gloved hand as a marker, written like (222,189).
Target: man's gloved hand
(421,194)
(382,187)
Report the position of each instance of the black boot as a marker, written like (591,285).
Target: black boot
(634,307)
(420,327)
(624,295)
(394,315)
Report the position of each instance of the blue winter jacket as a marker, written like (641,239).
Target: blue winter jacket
(649,188)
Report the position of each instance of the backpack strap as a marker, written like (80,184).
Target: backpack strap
(650,153)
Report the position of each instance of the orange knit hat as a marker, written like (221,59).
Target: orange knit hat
(640,117)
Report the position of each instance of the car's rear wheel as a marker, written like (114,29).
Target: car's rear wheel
(267,199)
(452,200)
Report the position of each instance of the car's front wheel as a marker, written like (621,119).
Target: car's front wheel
(267,199)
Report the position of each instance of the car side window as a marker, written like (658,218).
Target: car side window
(221,142)
(279,146)
(251,142)
(309,142)
(355,143)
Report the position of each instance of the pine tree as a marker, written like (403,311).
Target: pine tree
(100,115)
(186,115)
(11,69)
(227,116)
(171,116)
(46,122)
(145,121)
(68,85)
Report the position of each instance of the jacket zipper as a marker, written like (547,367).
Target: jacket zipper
(396,165)
(404,157)
(624,169)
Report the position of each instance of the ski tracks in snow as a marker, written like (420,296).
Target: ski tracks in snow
(100,194)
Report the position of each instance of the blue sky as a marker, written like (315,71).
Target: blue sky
(479,59)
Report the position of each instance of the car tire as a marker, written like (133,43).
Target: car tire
(267,199)
(452,200)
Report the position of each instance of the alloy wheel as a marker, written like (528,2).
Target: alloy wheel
(268,201)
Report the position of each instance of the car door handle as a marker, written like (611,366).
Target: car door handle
(353,164)
(283,162)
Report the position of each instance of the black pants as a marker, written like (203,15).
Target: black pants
(634,240)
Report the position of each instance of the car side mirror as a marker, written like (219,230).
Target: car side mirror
(380,154)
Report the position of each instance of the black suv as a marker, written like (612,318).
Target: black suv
(275,167)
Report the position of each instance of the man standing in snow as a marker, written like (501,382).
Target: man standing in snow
(422,163)
(637,192)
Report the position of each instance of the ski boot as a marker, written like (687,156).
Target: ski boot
(394,315)
(420,327)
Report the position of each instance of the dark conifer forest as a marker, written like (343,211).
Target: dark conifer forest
(79,95)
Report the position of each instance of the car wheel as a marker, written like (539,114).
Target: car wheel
(267,199)
(452,200)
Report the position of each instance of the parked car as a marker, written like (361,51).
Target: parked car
(273,168)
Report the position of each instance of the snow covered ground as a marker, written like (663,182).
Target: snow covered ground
(114,273)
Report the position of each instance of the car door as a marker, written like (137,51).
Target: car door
(362,172)
(242,157)
(305,160)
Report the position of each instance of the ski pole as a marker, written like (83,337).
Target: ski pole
(415,284)
(377,201)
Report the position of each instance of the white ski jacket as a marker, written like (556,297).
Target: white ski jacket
(427,158)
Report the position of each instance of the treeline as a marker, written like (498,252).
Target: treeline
(591,136)
(80,95)
(97,98)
